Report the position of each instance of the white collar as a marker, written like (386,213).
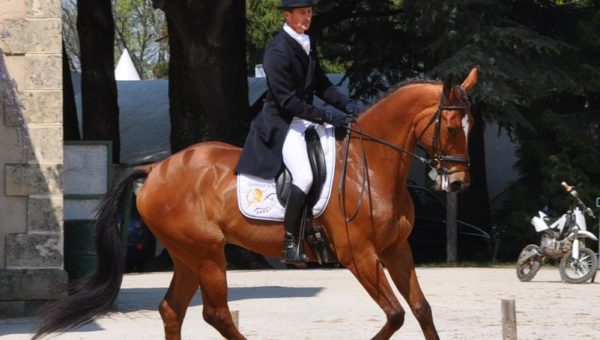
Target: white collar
(302,39)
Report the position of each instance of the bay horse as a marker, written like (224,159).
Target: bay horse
(189,202)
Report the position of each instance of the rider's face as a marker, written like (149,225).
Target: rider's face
(298,18)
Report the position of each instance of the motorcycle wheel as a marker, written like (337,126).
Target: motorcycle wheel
(526,269)
(581,270)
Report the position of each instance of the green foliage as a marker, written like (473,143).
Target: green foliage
(139,28)
(539,79)
(263,19)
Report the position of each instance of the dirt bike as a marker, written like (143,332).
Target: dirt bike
(563,239)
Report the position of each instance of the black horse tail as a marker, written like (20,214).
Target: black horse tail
(94,295)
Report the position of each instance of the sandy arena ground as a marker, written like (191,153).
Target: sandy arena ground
(330,304)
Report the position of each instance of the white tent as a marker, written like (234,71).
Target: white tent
(125,69)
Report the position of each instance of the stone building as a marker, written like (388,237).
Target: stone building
(31,155)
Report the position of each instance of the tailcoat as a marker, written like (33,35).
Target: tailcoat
(293,77)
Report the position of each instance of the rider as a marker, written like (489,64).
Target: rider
(277,133)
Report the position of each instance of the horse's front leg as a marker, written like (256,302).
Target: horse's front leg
(367,268)
(398,260)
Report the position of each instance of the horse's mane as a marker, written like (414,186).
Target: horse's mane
(406,82)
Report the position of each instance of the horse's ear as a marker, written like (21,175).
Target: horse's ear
(471,80)
(448,83)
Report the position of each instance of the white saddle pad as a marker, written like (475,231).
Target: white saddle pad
(257,197)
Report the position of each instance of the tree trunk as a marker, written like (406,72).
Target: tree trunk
(473,204)
(100,111)
(208,87)
(70,122)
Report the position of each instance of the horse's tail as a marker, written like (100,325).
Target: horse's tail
(94,295)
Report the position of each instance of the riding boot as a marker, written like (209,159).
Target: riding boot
(292,250)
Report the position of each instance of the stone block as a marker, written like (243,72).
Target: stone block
(13,36)
(45,213)
(32,179)
(22,290)
(14,77)
(44,72)
(44,144)
(10,284)
(44,36)
(9,146)
(43,8)
(11,109)
(12,9)
(42,107)
(34,251)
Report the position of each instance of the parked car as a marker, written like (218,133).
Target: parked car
(141,243)
(428,238)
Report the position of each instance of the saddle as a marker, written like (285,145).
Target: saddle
(316,157)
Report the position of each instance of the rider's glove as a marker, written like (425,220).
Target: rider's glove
(337,118)
(354,108)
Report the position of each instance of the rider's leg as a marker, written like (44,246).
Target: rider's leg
(296,160)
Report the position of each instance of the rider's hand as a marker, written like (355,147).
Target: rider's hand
(354,108)
(338,119)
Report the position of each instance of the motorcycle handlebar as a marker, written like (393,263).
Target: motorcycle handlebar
(571,190)
(567,187)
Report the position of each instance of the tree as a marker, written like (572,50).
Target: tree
(70,121)
(70,35)
(100,111)
(263,19)
(207,71)
(141,29)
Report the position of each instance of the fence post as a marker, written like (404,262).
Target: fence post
(509,320)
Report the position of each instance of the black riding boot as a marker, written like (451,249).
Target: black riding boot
(292,252)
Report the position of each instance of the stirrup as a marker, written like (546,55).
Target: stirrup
(292,254)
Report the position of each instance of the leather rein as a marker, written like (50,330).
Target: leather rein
(434,162)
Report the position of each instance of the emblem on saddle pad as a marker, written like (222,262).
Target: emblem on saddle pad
(259,198)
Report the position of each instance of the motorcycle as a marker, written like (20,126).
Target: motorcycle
(563,239)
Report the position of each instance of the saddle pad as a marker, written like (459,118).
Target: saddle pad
(257,197)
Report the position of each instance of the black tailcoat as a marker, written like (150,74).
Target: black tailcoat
(293,77)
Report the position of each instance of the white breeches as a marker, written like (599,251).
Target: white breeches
(295,156)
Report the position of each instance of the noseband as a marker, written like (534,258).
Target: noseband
(436,120)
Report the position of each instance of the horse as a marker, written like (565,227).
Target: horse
(189,202)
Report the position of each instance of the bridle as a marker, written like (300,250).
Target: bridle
(435,162)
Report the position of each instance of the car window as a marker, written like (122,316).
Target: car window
(426,203)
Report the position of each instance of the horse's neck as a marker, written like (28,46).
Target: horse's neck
(391,119)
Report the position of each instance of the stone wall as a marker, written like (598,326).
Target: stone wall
(31,155)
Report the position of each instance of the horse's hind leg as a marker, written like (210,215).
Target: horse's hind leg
(175,303)
(213,284)
(398,260)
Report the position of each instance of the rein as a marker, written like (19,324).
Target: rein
(434,163)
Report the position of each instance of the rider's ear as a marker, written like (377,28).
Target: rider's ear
(471,80)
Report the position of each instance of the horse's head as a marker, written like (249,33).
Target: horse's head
(443,131)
